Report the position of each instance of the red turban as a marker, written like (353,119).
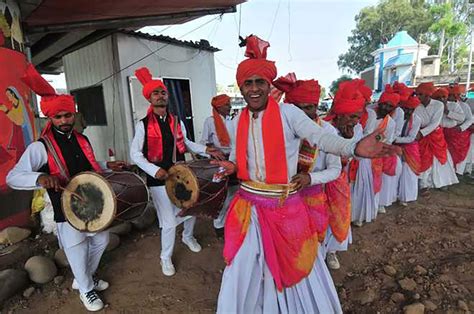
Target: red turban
(441,92)
(425,89)
(220,100)
(256,64)
(348,98)
(298,91)
(412,102)
(364,89)
(389,96)
(149,84)
(402,90)
(51,103)
(456,90)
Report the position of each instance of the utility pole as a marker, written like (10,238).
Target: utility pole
(469,65)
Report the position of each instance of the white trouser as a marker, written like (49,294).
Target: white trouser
(168,237)
(83,257)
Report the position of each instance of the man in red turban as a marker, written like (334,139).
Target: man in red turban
(216,133)
(160,140)
(274,254)
(436,170)
(459,139)
(411,161)
(50,163)
(319,173)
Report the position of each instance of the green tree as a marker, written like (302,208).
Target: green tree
(335,84)
(375,25)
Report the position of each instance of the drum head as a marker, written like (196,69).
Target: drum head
(95,209)
(182,186)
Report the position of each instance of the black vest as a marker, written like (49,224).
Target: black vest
(76,161)
(168,141)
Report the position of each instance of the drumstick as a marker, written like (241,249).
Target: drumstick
(73,193)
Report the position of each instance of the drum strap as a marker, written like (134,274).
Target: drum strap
(57,160)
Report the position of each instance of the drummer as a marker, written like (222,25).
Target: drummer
(216,133)
(154,150)
(49,163)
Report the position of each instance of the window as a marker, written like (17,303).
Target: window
(90,102)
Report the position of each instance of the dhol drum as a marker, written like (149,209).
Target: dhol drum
(190,187)
(93,201)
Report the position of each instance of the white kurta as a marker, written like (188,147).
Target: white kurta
(83,249)
(408,181)
(364,202)
(468,121)
(389,191)
(166,211)
(209,136)
(437,175)
(247,284)
(470,158)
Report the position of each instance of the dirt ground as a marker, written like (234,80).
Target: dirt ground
(427,248)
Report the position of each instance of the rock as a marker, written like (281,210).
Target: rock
(415,308)
(407,284)
(365,296)
(420,270)
(430,306)
(65,291)
(397,297)
(40,269)
(114,242)
(28,292)
(411,260)
(462,222)
(390,270)
(11,235)
(60,258)
(147,219)
(121,229)
(12,281)
(416,296)
(462,305)
(58,280)
(451,214)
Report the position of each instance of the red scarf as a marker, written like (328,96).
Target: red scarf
(221,130)
(273,144)
(57,166)
(411,152)
(459,143)
(433,145)
(155,140)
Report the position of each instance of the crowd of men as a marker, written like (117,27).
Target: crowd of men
(303,179)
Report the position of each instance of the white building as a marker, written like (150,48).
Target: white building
(101,76)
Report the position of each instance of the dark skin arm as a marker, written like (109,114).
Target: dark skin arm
(49,182)
(301,180)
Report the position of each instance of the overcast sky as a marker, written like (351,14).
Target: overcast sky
(306,36)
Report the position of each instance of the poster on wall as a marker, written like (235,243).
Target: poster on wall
(16,114)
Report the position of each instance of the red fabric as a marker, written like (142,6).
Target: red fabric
(411,155)
(220,100)
(51,103)
(155,140)
(290,240)
(456,90)
(389,96)
(377,170)
(85,147)
(389,165)
(221,130)
(425,89)
(273,144)
(348,99)
(338,193)
(364,118)
(433,145)
(412,102)
(402,90)
(364,90)
(459,143)
(298,91)
(440,93)
(316,200)
(149,84)
(256,64)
